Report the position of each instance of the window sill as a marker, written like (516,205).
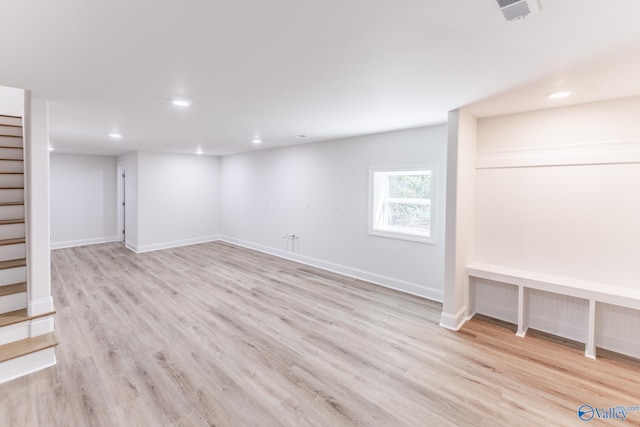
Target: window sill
(403,236)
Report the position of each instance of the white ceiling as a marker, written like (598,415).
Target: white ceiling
(278,68)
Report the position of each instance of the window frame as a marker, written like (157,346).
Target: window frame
(375,203)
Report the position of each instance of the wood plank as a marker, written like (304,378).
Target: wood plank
(13,263)
(214,334)
(28,346)
(16,288)
(11,221)
(13,317)
(16,241)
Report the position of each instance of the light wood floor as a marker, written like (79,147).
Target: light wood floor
(214,334)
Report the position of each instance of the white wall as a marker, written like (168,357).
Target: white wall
(557,193)
(11,101)
(320,192)
(575,219)
(83,199)
(177,199)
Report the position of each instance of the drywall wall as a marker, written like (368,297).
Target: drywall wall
(557,194)
(573,219)
(83,199)
(11,101)
(177,199)
(320,192)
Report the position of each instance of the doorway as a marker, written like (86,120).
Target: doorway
(122,192)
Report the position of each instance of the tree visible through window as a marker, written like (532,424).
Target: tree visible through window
(402,204)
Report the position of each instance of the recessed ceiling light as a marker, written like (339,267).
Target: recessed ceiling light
(115,135)
(50,148)
(559,94)
(300,136)
(257,141)
(181,102)
(199,151)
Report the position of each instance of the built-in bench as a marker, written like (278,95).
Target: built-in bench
(524,280)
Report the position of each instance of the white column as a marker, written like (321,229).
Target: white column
(36,125)
(460,217)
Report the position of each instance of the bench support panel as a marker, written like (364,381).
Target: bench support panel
(523,312)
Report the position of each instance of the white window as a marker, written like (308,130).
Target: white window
(401,203)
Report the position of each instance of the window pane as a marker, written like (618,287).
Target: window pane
(410,186)
(409,215)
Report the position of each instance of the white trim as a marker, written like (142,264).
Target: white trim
(560,329)
(36,307)
(83,242)
(27,364)
(377,279)
(506,314)
(593,153)
(454,322)
(121,195)
(404,235)
(173,244)
(41,326)
(619,345)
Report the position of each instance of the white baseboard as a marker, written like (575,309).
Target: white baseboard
(500,313)
(455,321)
(619,345)
(27,364)
(40,306)
(559,329)
(388,282)
(83,242)
(173,244)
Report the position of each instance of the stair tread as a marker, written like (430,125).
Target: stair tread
(9,115)
(9,146)
(14,160)
(7,124)
(13,263)
(18,316)
(27,346)
(11,203)
(11,136)
(11,221)
(11,173)
(11,188)
(16,288)
(14,241)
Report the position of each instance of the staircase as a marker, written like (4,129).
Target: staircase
(22,346)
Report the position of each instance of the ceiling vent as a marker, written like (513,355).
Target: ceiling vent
(512,10)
